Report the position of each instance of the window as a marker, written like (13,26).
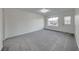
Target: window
(67,20)
(53,21)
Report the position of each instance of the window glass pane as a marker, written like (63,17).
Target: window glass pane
(67,20)
(53,21)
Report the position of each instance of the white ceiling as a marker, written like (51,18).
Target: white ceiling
(52,10)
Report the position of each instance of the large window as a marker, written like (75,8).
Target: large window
(53,21)
(67,20)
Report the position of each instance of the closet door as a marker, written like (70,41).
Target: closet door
(77,26)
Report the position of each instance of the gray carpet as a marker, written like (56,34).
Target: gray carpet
(43,40)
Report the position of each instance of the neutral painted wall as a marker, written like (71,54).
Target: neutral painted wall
(62,27)
(1,29)
(77,25)
(19,22)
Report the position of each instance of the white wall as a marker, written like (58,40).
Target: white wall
(77,25)
(62,27)
(18,22)
(1,29)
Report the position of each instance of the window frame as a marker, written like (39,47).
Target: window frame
(52,21)
(67,20)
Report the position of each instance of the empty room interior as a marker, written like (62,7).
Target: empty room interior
(39,29)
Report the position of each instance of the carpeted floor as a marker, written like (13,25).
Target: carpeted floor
(43,40)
